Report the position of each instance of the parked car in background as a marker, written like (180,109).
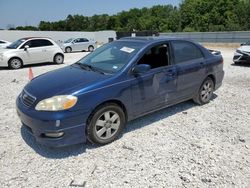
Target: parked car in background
(4,43)
(245,43)
(120,81)
(242,54)
(78,44)
(30,50)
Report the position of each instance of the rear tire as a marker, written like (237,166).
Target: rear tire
(68,49)
(15,63)
(58,59)
(105,124)
(205,92)
(91,48)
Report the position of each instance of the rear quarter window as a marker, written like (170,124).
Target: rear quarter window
(45,43)
(185,51)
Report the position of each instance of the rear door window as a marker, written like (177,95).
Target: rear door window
(44,42)
(185,51)
(85,40)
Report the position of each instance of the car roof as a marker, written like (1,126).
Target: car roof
(27,38)
(152,39)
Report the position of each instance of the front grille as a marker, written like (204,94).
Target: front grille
(27,98)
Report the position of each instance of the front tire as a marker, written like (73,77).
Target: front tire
(105,124)
(58,59)
(205,92)
(15,63)
(68,49)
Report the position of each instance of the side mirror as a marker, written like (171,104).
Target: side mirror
(26,47)
(142,68)
(243,44)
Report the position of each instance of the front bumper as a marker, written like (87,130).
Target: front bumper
(241,57)
(73,127)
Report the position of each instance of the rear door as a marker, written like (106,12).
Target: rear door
(85,43)
(190,65)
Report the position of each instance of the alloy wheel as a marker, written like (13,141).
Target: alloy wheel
(107,125)
(207,91)
(15,63)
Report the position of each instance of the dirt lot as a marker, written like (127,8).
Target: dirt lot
(182,146)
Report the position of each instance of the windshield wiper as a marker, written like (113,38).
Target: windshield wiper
(90,68)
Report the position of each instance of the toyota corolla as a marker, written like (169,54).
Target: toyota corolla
(95,97)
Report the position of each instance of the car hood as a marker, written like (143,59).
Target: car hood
(63,81)
(244,48)
(4,50)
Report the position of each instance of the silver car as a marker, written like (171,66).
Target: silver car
(30,51)
(242,54)
(78,44)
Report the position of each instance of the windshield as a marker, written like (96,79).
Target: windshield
(16,44)
(248,42)
(111,57)
(69,40)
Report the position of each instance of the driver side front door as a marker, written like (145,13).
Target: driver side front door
(155,88)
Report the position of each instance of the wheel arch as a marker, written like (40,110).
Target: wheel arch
(91,45)
(16,58)
(114,101)
(58,53)
(212,77)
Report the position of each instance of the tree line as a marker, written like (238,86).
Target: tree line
(190,15)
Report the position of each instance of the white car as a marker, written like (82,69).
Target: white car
(78,44)
(30,51)
(242,54)
(4,43)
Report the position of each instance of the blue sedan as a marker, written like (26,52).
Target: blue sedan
(95,97)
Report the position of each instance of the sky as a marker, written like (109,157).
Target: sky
(31,12)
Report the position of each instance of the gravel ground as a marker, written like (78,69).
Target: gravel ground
(182,146)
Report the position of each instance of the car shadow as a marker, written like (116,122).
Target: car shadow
(161,114)
(68,151)
(241,64)
(54,153)
(32,65)
(40,65)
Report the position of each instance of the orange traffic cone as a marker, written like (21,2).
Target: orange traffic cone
(31,76)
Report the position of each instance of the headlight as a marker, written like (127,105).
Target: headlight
(238,51)
(57,103)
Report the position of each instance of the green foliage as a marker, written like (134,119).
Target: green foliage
(190,16)
(32,28)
